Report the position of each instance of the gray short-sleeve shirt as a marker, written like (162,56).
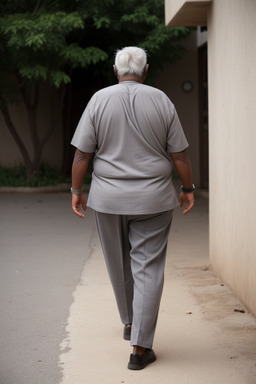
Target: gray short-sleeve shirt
(132,128)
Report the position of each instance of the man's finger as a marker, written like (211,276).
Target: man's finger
(84,205)
(188,208)
(78,204)
(77,211)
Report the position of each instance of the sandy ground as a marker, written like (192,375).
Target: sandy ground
(204,334)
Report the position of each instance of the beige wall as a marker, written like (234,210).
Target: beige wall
(170,81)
(232,137)
(186,12)
(9,152)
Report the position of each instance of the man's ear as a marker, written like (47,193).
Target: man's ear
(146,71)
(115,70)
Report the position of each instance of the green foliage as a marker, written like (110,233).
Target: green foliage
(17,177)
(37,48)
(46,40)
(114,24)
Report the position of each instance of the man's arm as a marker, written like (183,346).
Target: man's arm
(182,164)
(79,168)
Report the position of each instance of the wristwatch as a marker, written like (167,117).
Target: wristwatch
(188,190)
(76,191)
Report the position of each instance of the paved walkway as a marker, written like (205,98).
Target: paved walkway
(203,335)
(43,250)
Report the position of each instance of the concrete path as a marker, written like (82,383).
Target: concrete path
(59,323)
(203,335)
(43,250)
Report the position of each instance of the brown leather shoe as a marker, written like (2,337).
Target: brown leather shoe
(141,361)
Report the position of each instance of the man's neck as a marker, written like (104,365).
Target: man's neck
(130,77)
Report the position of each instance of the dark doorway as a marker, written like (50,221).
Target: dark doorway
(203,116)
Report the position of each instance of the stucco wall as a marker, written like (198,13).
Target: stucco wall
(232,138)
(10,154)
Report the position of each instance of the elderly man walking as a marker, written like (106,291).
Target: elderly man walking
(135,133)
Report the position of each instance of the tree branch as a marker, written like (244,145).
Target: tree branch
(54,116)
(36,7)
(31,99)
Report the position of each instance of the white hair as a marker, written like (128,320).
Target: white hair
(130,60)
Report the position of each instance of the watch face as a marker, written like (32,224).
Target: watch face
(187,86)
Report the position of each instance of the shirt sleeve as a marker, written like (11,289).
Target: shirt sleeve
(176,139)
(84,137)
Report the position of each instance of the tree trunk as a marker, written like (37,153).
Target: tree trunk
(31,100)
(66,130)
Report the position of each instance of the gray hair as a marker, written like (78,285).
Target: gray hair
(130,60)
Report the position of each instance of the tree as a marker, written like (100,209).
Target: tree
(61,42)
(35,49)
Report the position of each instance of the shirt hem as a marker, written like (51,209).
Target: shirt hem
(132,212)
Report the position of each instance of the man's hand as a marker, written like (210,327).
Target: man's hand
(188,199)
(78,204)
(79,168)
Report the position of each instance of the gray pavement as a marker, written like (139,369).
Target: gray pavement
(43,249)
(59,323)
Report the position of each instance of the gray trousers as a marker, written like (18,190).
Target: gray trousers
(134,247)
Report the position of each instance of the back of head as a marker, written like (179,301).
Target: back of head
(131,60)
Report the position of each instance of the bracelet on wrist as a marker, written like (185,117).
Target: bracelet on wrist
(188,190)
(76,191)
